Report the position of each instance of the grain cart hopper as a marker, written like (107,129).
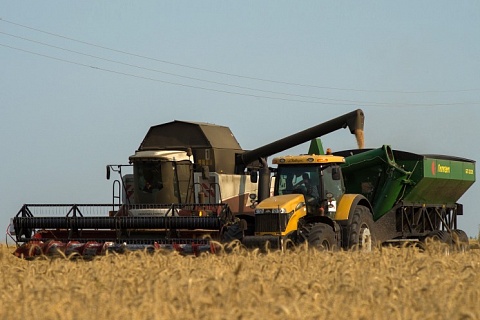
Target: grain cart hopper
(189,185)
(412,196)
(348,198)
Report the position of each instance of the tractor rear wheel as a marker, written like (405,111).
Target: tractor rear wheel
(319,236)
(360,230)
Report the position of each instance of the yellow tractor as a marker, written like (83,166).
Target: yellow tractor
(310,205)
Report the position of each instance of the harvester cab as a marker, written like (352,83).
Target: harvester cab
(158,177)
(162,177)
(185,163)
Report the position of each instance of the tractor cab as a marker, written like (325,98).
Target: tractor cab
(317,177)
(304,185)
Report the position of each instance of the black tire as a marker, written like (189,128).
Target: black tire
(360,231)
(441,236)
(319,236)
(439,240)
(460,240)
(234,231)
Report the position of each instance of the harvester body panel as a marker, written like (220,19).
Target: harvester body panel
(231,189)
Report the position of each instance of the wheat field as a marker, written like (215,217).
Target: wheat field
(388,283)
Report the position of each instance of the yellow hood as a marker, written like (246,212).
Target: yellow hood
(288,201)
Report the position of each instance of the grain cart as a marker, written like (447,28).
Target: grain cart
(350,198)
(412,196)
(190,184)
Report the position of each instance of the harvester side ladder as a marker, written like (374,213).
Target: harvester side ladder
(116,195)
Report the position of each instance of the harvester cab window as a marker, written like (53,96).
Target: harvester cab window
(183,181)
(149,177)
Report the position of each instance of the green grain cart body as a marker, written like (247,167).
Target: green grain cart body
(438,179)
(388,177)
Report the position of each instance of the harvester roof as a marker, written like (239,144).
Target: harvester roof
(211,145)
(180,135)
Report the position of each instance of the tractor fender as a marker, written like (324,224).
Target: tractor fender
(347,205)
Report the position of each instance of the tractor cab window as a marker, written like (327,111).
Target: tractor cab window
(321,185)
(299,179)
(333,182)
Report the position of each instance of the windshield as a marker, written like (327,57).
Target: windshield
(149,177)
(163,182)
(310,180)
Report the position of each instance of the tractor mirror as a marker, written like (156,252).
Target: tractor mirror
(108,172)
(335,173)
(253,176)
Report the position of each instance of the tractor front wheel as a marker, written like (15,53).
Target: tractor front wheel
(319,236)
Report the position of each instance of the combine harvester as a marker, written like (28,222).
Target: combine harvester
(192,183)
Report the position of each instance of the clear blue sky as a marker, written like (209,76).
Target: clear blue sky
(81,82)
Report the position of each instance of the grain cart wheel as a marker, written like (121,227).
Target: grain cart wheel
(460,240)
(319,236)
(360,233)
(440,239)
(440,236)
